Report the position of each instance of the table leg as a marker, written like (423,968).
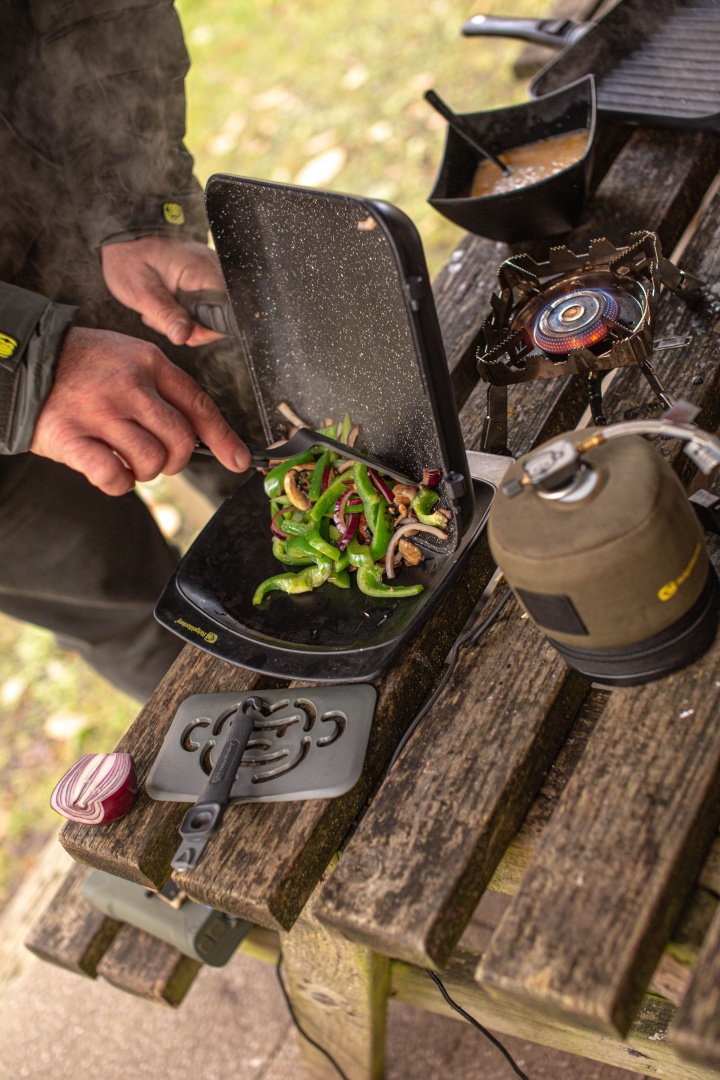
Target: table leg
(338,991)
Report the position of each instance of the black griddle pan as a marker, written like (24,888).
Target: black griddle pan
(654,61)
(334,313)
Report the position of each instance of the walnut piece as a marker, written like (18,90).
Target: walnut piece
(411,553)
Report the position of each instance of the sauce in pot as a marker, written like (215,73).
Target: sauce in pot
(530,163)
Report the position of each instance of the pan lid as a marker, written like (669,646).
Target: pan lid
(335,314)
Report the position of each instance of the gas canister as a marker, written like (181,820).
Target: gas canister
(599,543)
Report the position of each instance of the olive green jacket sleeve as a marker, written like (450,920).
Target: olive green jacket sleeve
(31,333)
(114,72)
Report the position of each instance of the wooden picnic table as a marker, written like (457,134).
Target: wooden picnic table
(597,811)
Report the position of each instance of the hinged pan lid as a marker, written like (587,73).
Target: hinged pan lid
(335,314)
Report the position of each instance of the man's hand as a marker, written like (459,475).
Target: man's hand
(146,274)
(119,411)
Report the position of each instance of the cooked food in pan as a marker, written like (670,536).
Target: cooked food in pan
(332,517)
(530,163)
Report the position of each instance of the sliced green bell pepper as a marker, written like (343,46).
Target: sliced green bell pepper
(425,500)
(304,581)
(341,578)
(326,503)
(382,532)
(275,480)
(316,542)
(359,554)
(369,579)
(315,490)
(423,503)
(294,528)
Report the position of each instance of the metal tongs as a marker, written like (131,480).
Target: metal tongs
(305,439)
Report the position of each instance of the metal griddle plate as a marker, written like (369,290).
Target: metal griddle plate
(327,635)
(654,61)
(335,313)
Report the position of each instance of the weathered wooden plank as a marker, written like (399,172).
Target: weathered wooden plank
(411,877)
(146,967)
(140,845)
(696,1030)
(70,933)
(339,993)
(267,858)
(620,855)
(645,1050)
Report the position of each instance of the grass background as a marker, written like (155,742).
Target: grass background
(323,94)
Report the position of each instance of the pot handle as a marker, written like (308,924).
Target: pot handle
(554,32)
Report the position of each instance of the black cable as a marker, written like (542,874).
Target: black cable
(476,1024)
(468,638)
(296,1022)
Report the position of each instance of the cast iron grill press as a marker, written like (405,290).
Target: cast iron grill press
(335,314)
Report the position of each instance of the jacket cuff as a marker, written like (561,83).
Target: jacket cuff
(114,219)
(31,333)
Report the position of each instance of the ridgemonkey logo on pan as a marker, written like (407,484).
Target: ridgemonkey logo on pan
(209,636)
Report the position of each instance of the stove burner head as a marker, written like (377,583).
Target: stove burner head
(574,321)
(575,314)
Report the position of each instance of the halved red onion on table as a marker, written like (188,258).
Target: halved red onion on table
(98,788)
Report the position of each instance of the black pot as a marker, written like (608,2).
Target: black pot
(550,206)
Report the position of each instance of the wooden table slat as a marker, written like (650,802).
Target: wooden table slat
(146,967)
(620,854)
(70,933)
(695,1032)
(411,877)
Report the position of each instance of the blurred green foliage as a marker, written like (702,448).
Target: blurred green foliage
(331,95)
(324,94)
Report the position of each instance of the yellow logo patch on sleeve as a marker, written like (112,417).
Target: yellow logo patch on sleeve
(8,345)
(173,213)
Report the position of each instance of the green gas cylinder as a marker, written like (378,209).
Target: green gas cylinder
(601,547)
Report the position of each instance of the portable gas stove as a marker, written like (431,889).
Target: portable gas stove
(577,315)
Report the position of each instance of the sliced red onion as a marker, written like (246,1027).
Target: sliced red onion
(342,504)
(326,477)
(380,485)
(348,532)
(98,788)
(414,527)
(275,528)
(431,477)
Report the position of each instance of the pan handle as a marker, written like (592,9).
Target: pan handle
(210,308)
(554,32)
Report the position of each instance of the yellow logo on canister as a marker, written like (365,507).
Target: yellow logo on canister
(8,345)
(173,213)
(669,590)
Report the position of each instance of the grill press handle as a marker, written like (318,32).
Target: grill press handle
(554,32)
